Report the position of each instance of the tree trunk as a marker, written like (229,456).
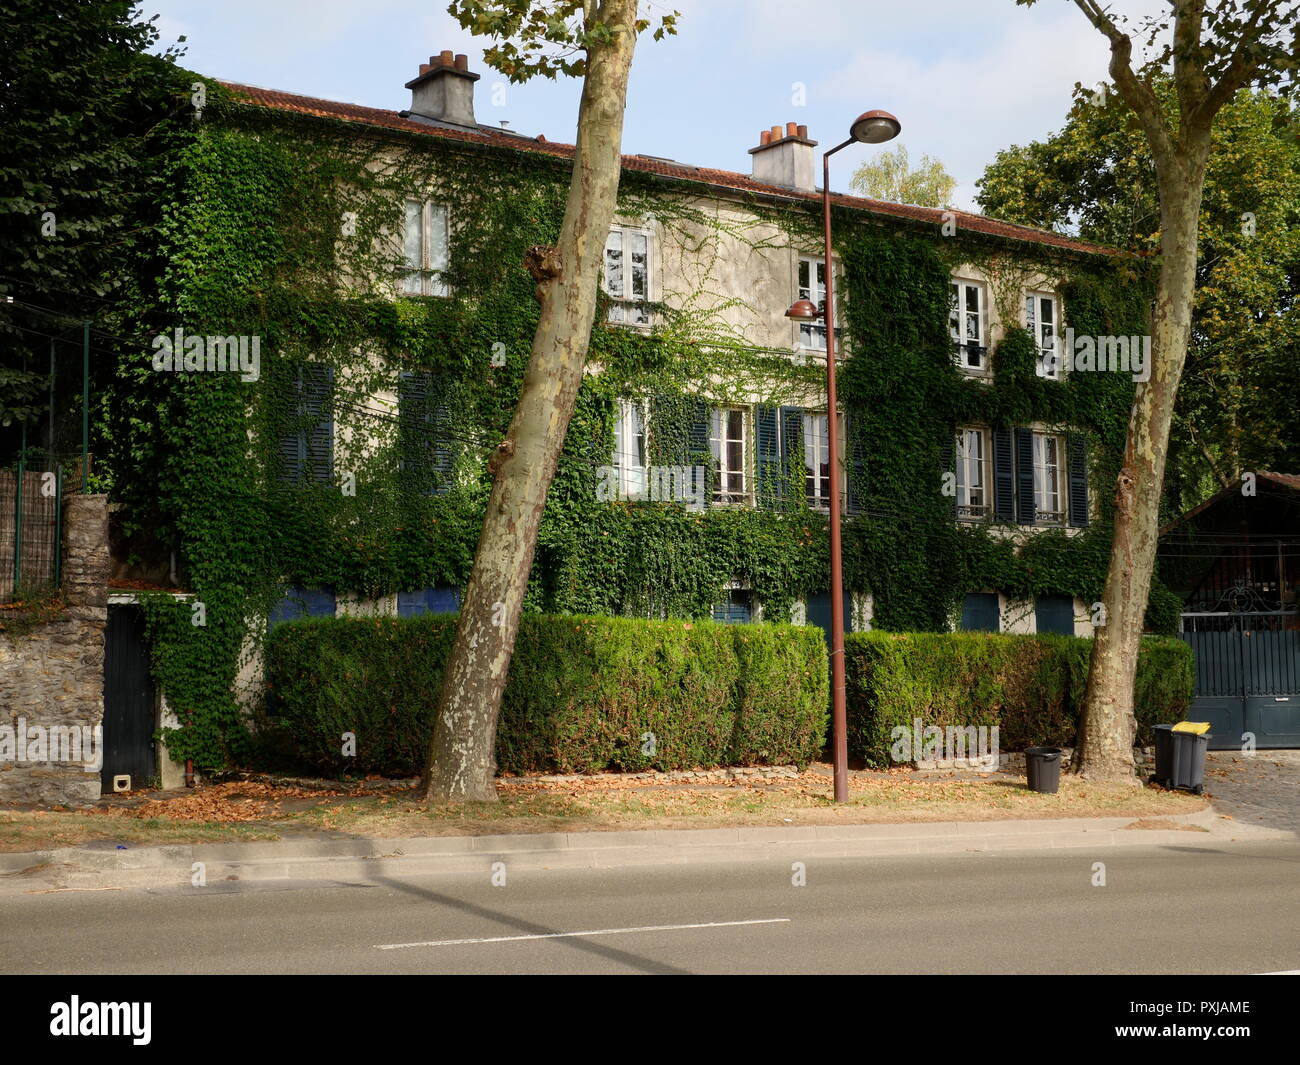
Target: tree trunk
(462,764)
(1104,747)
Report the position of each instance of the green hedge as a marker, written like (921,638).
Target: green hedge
(582,693)
(1031,687)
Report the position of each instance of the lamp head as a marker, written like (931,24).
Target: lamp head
(803,311)
(875,127)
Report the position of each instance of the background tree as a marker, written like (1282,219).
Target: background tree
(888,176)
(81,107)
(1237,405)
(593,39)
(1214,48)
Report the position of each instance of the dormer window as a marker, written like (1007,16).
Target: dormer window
(426,249)
(627,275)
(1043,320)
(968,322)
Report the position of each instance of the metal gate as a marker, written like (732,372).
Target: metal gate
(129,706)
(1247,648)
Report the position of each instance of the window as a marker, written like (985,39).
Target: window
(307,444)
(818,613)
(728,441)
(1042,319)
(736,609)
(630,449)
(974,476)
(627,275)
(300,602)
(966,320)
(980,613)
(812,286)
(432,600)
(425,249)
(1054,613)
(1049,477)
(817,462)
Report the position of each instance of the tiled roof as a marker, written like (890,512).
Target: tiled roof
(1290,481)
(725,179)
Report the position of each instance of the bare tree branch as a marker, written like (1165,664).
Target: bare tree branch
(1137,93)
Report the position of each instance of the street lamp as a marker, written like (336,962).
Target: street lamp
(872,127)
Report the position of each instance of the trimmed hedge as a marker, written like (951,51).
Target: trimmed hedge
(1030,686)
(581,694)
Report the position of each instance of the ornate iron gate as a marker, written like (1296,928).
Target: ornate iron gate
(1246,635)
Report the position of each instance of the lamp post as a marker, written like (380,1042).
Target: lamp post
(873,127)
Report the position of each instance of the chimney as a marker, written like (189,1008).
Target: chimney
(443,94)
(784,157)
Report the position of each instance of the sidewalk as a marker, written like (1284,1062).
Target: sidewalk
(100,867)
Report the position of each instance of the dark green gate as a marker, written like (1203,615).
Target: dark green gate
(1247,666)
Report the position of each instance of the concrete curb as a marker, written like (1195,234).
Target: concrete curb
(90,867)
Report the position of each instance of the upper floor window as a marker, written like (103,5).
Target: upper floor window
(974,495)
(967,320)
(1049,479)
(817,461)
(729,443)
(1043,319)
(630,449)
(627,275)
(425,248)
(812,286)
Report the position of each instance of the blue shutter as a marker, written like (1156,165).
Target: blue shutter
(979,613)
(1054,613)
(698,452)
(436,599)
(855,469)
(300,602)
(1077,445)
(1025,512)
(767,452)
(317,406)
(1004,479)
(819,613)
(948,464)
(440,426)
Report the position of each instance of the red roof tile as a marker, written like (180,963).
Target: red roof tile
(726,179)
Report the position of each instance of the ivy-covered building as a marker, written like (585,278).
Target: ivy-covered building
(371,264)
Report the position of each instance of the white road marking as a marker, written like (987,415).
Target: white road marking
(1284,972)
(567,935)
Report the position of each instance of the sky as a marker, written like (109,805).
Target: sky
(965,77)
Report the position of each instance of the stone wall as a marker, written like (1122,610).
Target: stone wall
(52,676)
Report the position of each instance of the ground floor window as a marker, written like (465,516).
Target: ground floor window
(736,609)
(980,613)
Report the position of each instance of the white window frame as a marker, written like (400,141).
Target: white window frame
(974,470)
(631,447)
(428,255)
(1049,360)
(627,307)
(722,446)
(1050,504)
(819,468)
(812,335)
(960,325)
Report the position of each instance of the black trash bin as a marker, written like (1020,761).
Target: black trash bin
(1187,761)
(1043,769)
(1164,743)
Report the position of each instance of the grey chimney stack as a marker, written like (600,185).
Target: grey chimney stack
(785,157)
(443,94)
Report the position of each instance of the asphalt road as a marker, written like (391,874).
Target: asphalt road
(1162,910)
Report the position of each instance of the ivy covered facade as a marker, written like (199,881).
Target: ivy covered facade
(374,260)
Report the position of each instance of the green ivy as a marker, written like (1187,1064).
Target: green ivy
(255,244)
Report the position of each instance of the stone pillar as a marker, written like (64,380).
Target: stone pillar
(52,676)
